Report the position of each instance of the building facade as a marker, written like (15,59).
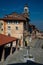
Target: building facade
(16,25)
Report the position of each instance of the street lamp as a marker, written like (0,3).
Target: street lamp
(28,49)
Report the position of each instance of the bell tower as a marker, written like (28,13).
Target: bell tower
(26,9)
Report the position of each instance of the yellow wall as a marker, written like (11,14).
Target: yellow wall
(13,32)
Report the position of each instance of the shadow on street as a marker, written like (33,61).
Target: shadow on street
(28,63)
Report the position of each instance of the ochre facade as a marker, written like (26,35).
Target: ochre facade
(15,25)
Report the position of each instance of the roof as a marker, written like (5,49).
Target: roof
(6,39)
(25,15)
(14,16)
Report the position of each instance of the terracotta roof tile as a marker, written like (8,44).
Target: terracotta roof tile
(14,16)
(6,39)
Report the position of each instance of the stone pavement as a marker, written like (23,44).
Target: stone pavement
(18,55)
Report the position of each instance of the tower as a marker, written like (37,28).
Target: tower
(26,9)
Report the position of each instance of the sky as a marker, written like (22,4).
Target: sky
(35,8)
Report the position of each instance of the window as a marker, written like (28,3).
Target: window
(16,28)
(9,27)
(25,10)
(1,29)
(8,22)
(16,22)
(9,30)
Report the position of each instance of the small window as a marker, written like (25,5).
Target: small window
(9,27)
(16,22)
(16,28)
(1,29)
(25,10)
(8,22)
